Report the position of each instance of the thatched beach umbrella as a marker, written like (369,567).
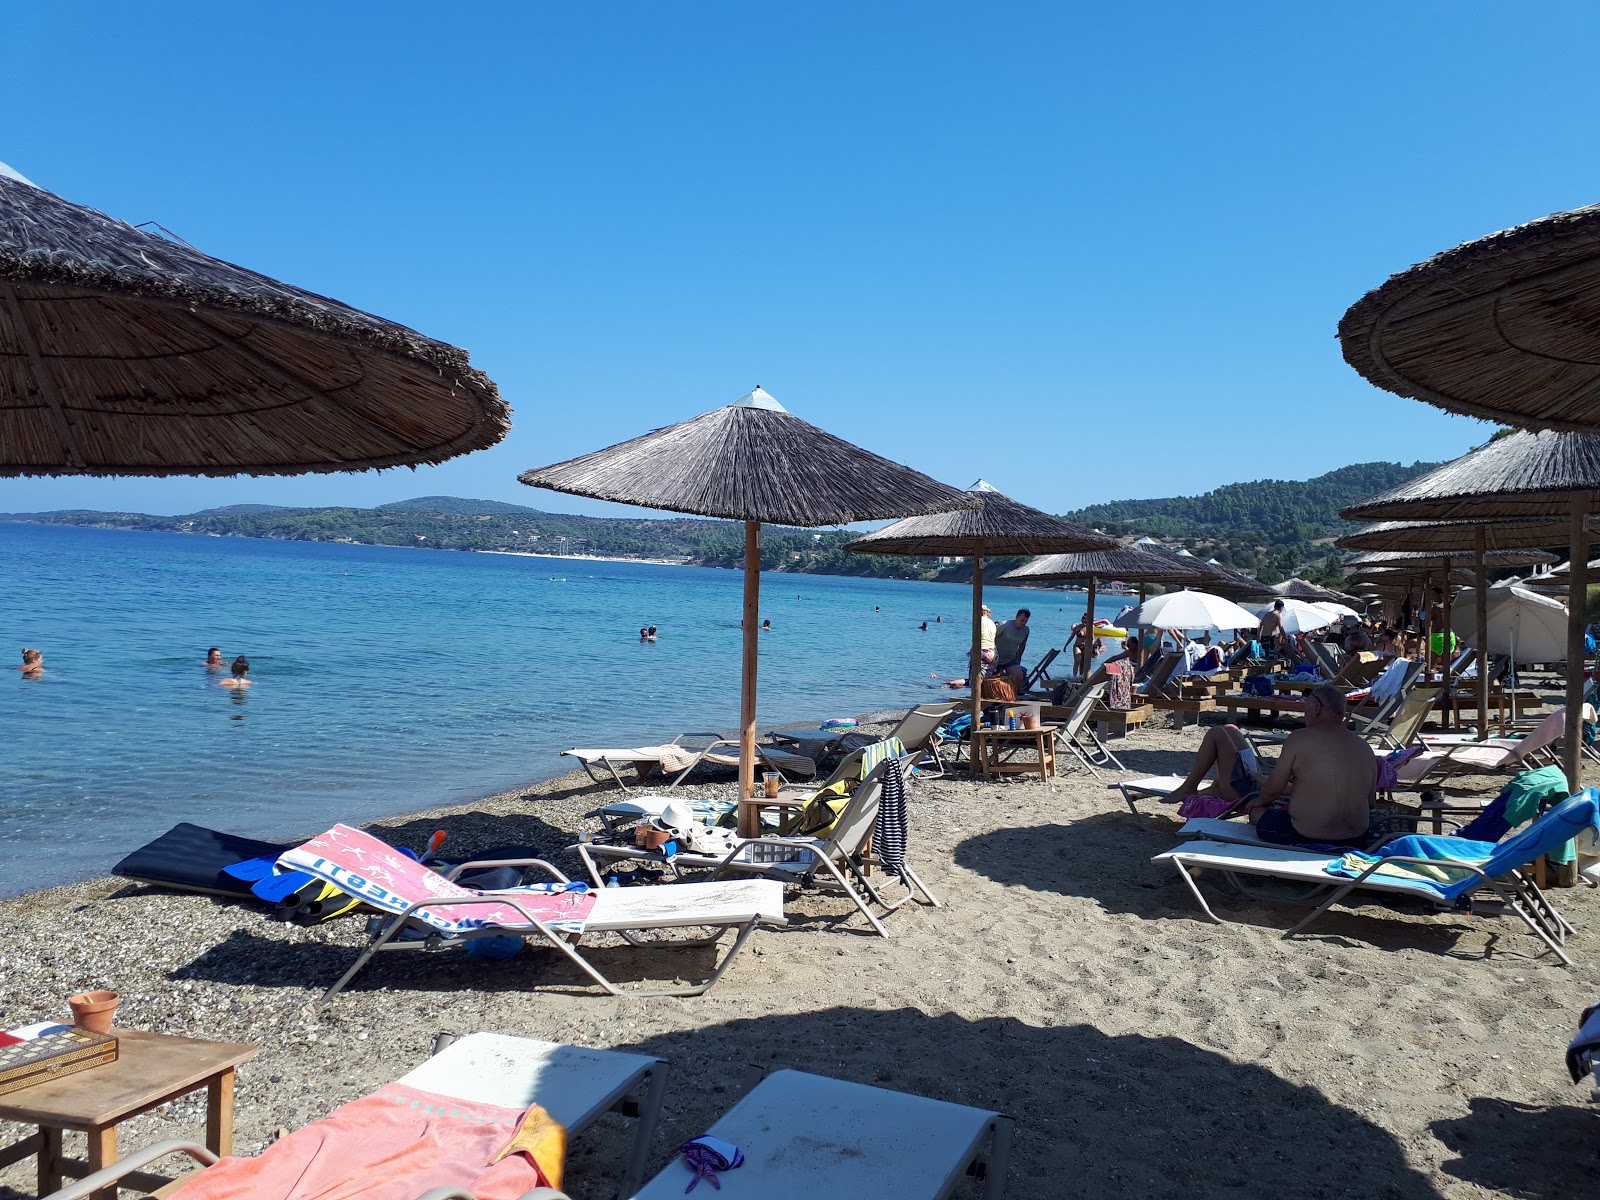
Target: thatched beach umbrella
(125,353)
(1444,560)
(1295,588)
(1141,563)
(995,526)
(1506,328)
(1447,539)
(1524,475)
(751,461)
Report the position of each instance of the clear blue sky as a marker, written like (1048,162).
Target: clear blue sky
(956,234)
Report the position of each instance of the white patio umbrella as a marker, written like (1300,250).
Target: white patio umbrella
(1522,624)
(1302,616)
(1528,627)
(1337,610)
(1191,610)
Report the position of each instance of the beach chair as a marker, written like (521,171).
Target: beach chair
(432,912)
(1452,755)
(917,731)
(808,1137)
(683,754)
(575,1085)
(1041,670)
(839,856)
(1444,872)
(1329,660)
(1158,787)
(1078,735)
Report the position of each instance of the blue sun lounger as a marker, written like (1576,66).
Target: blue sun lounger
(1443,871)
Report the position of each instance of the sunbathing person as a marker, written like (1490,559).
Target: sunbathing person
(1226,750)
(1328,775)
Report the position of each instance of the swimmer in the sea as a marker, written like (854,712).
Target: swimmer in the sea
(240,668)
(32,663)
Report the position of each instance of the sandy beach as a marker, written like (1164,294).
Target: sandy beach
(1067,980)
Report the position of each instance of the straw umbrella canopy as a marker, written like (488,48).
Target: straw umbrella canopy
(1523,475)
(1140,563)
(1495,559)
(1506,327)
(125,353)
(750,461)
(1447,540)
(995,525)
(1296,588)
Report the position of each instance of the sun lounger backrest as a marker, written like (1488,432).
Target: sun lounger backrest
(917,726)
(1161,677)
(1412,713)
(856,821)
(1081,708)
(1042,667)
(1554,829)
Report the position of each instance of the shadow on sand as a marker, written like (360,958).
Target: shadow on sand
(1522,1150)
(1106,858)
(1098,1115)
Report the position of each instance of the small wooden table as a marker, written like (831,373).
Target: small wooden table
(991,746)
(151,1069)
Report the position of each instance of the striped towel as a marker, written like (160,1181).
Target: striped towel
(874,754)
(889,830)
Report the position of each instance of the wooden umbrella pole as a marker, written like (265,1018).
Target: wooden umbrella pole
(975,676)
(749,824)
(1426,623)
(1478,548)
(1088,633)
(1447,653)
(1578,602)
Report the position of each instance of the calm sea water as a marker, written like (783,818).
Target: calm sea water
(390,680)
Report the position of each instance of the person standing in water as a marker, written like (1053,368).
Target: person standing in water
(32,663)
(766,627)
(240,668)
(214,659)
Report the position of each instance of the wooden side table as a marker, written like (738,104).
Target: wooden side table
(151,1069)
(991,750)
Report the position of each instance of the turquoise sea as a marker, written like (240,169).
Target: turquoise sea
(390,680)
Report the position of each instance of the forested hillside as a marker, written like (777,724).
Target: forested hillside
(1269,527)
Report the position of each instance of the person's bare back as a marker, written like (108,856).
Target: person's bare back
(1334,774)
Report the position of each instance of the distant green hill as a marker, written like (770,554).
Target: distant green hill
(1271,527)
(457,506)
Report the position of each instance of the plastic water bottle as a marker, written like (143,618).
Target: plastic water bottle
(612,882)
(1011,721)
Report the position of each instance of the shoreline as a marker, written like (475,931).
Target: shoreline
(654,562)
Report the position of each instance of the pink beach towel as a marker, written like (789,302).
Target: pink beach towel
(361,866)
(394,1145)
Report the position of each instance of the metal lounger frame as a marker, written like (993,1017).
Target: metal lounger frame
(1522,897)
(560,940)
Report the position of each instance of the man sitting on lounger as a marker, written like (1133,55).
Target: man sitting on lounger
(1329,776)
(1331,772)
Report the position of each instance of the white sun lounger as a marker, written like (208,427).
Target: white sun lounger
(1284,863)
(575,1085)
(678,759)
(807,1137)
(1153,787)
(740,904)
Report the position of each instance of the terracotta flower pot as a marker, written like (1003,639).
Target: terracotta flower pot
(92,1010)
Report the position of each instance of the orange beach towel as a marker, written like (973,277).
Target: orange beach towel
(395,1145)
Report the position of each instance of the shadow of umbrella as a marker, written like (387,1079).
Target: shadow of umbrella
(1106,859)
(1098,1114)
(1522,1150)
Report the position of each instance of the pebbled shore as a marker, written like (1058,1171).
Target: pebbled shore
(1067,980)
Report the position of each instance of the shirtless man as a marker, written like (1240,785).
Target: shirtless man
(1328,774)
(1271,629)
(214,659)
